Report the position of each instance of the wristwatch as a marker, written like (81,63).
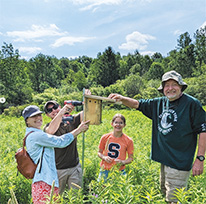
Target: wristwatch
(201,158)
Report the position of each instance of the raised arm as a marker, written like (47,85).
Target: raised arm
(83,127)
(129,102)
(54,124)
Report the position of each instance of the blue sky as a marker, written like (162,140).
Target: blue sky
(72,28)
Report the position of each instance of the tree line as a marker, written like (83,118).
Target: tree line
(133,74)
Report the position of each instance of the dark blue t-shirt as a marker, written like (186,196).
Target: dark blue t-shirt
(175,126)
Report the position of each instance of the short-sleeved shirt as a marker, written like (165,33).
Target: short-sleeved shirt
(67,157)
(175,126)
(116,148)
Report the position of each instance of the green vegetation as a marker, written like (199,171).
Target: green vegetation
(43,78)
(46,77)
(141,185)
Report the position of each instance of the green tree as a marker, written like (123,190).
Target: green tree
(64,64)
(80,80)
(133,63)
(133,85)
(86,62)
(70,77)
(131,60)
(201,70)
(123,69)
(156,71)
(145,63)
(157,57)
(136,68)
(93,74)
(185,56)
(16,86)
(104,70)
(200,45)
(45,72)
(184,40)
(183,61)
(186,61)
(197,88)
(75,65)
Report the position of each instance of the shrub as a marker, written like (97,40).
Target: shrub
(14,111)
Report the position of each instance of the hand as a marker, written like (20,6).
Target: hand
(120,162)
(107,159)
(87,92)
(84,126)
(68,108)
(115,96)
(197,168)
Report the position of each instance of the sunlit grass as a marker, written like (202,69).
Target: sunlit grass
(141,185)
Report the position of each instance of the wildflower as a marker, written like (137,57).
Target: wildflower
(148,197)
(95,195)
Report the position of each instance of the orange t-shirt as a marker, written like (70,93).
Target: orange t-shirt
(116,148)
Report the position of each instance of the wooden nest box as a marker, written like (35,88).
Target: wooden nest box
(93,108)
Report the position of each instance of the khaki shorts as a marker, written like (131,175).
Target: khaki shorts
(172,179)
(69,176)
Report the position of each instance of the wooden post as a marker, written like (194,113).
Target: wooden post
(83,143)
(92,111)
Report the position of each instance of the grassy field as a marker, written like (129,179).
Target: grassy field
(141,185)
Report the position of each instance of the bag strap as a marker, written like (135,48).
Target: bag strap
(24,140)
(40,159)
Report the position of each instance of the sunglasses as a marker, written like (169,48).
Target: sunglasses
(49,110)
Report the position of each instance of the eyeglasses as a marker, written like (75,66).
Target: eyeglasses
(49,110)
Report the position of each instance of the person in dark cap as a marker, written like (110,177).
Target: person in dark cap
(177,120)
(36,141)
(67,159)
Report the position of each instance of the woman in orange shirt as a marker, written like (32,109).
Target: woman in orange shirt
(114,147)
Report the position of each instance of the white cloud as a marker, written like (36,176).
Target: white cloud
(150,53)
(178,32)
(94,4)
(203,25)
(136,41)
(30,50)
(97,2)
(72,57)
(69,40)
(36,32)
(24,57)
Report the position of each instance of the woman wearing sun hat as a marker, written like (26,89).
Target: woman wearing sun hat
(35,142)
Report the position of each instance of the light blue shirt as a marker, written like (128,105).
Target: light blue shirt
(35,143)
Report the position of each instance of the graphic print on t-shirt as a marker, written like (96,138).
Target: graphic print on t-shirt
(167,119)
(113,150)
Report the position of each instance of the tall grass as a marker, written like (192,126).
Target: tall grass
(140,185)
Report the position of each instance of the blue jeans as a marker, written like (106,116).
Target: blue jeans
(105,173)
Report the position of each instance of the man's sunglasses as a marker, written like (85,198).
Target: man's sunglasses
(49,110)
